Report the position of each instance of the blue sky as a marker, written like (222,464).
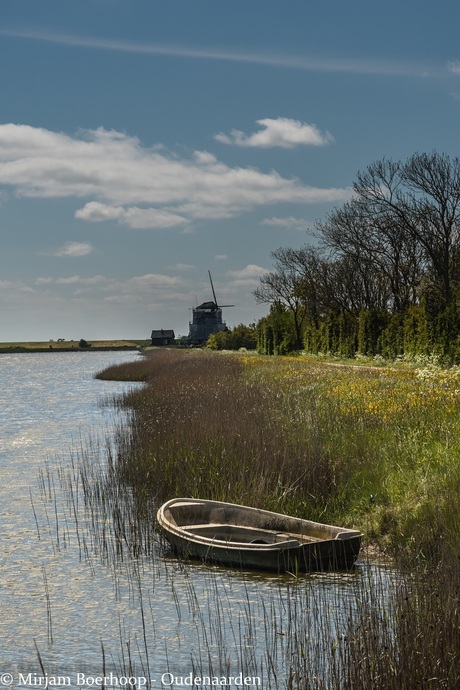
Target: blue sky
(143,143)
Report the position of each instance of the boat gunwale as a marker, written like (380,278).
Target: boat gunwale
(186,533)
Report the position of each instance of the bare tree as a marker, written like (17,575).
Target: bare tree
(419,202)
(283,285)
(379,249)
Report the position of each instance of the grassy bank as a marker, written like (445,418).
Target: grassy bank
(372,448)
(70,345)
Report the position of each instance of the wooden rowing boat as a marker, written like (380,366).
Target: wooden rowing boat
(247,537)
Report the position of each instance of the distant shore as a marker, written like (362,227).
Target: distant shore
(72,346)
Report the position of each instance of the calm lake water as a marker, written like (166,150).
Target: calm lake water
(68,614)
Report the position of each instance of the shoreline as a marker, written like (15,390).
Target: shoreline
(71,346)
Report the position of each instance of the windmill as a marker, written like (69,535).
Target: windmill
(206,319)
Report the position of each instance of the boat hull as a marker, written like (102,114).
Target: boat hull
(245,537)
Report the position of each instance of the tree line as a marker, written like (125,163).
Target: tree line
(383,275)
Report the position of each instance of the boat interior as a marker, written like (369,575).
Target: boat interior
(245,535)
(228,523)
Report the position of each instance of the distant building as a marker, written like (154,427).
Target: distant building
(206,319)
(162,338)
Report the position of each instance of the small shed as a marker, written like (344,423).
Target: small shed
(162,337)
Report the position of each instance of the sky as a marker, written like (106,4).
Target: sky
(144,143)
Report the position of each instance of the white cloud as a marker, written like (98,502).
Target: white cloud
(183,267)
(151,281)
(287,222)
(247,277)
(282,132)
(6,284)
(74,250)
(100,307)
(136,289)
(96,212)
(132,216)
(249,271)
(309,63)
(71,280)
(281,222)
(148,289)
(125,182)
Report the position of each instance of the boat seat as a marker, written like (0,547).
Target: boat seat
(279,536)
(206,524)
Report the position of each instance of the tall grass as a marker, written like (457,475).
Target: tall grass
(279,629)
(203,428)
(378,449)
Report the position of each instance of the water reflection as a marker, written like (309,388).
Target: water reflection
(64,593)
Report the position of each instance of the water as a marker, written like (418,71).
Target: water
(67,613)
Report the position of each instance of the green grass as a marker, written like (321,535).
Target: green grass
(373,448)
(203,428)
(377,449)
(69,345)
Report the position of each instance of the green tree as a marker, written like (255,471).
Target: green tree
(386,276)
(276,333)
(283,286)
(239,337)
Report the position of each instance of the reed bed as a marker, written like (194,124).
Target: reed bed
(203,427)
(370,447)
(373,448)
(278,629)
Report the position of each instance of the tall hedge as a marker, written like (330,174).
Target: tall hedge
(417,332)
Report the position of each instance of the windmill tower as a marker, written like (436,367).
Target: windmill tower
(206,319)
